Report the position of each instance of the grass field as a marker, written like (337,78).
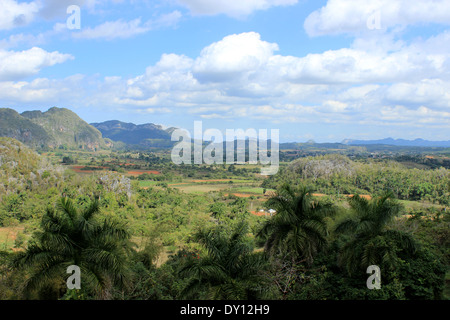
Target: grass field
(148,183)
(416,205)
(8,236)
(201,188)
(252,190)
(239,186)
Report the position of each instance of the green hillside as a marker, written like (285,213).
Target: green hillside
(66,128)
(13,125)
(21,168)
(57,127)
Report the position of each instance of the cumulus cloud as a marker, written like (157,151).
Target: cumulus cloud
(352,16)
(232,56)
(15,65)
(435,92)
(242,75)
(231,8)
(252,61)
(15,14)
(43,91)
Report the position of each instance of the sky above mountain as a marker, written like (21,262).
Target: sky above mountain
(322,70)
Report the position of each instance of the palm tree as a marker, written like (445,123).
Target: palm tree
(298,228)
(229,270)
(70,237)
(371,241)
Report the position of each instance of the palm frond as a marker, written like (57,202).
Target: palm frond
(348,225)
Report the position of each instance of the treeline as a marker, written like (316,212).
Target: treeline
(336,174)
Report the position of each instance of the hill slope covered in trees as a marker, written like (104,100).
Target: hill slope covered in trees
(57,127)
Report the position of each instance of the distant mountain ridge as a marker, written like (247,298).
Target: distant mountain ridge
(147,135)
(61,127)
(400,142)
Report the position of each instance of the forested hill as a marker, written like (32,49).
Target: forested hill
(144,135)
(57,127)
(13,125)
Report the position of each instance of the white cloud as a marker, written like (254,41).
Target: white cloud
(242,70)
(232,8)
(15,14)
(32,40)
(242,76)
(43,91)
(232,56)
(113,29)
(357,66)
(56,9)
(16,65)
(52,9)
(434,92)
(166,20)
(352,16)
(171,63)
(420,116)
(121,29)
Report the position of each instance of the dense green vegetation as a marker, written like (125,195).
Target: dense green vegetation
(184,234)
(337,174)
(13,125)
(55,128)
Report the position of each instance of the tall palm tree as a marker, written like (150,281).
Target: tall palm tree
(70,237)
(298,228)
(371,241)
(229,270)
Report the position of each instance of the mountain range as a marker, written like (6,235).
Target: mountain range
(62,127)
(399,142)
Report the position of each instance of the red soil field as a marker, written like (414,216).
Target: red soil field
(260,214)
(366,196)
(240,195)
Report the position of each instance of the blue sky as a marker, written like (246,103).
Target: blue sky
(324,70)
